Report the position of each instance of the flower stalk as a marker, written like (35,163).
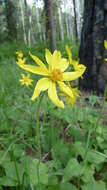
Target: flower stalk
(38,136)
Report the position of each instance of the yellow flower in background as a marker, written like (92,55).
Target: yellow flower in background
(74,63)
(105,59)
(26,80)
(69,53)
(54,76)
(19,54)
(71,100)
(105,44)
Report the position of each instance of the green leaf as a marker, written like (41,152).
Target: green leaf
(73,169)
(1,188)
(77,149)
(95,158)
(76,133)
(11,171)
(61,151)
(7,181)
(95,185)
(88,172)
(94,100)
(53,187)
(105,176)
(18,151)
(33,172)
(67,186)
(53,180)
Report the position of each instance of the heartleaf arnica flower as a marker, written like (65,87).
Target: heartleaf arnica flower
(69,53)
(26,80)
(71,100)
(74,63)
(54,75)
(19,54)
(105,44)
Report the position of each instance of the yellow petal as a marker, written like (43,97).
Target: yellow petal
(68,76)
(105,59)
(48,56)
(19,54)
(26,80)
(37,61)
(105,44)
(21,61)
(79,67)
(75,64)
(21,81)
(69,53)
(42,85)
(52,93)
(23,75)
(56,58)
(65,89)
(63,65)
(70,100)
(33,69)
(75,93)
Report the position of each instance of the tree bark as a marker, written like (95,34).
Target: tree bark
(30,34)
(92,51)
(38,23)
(61,31)
(66,20)
(11,19)
(23,23)
(75,21)
(50,26)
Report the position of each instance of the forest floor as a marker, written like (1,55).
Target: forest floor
(73,140)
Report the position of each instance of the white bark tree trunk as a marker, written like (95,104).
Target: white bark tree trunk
(66,20)
(38,21)
(61,31)
(23,22)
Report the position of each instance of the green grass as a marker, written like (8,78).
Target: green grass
(74,155)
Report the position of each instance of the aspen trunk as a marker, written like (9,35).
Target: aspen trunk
(23,22)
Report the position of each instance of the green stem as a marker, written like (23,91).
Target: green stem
(87,144)
(52,129)
(101,112)
(85,156)
(17,173)
(38,136)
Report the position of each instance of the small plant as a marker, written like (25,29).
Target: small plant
(93,100)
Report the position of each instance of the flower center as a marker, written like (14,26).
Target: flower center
(56,75)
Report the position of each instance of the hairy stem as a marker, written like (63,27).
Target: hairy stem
(38,137)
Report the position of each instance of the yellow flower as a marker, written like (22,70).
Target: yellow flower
(19,54)
(74,63)
(71,100)
(53,76)
(26,80)
(105,44)
(69,54)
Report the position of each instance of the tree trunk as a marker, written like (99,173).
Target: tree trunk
(23,23)
(61,32)
(50,26)
(75,21)
(30,34)
(66,20)
(92,51)
(38,22)
(11,19)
